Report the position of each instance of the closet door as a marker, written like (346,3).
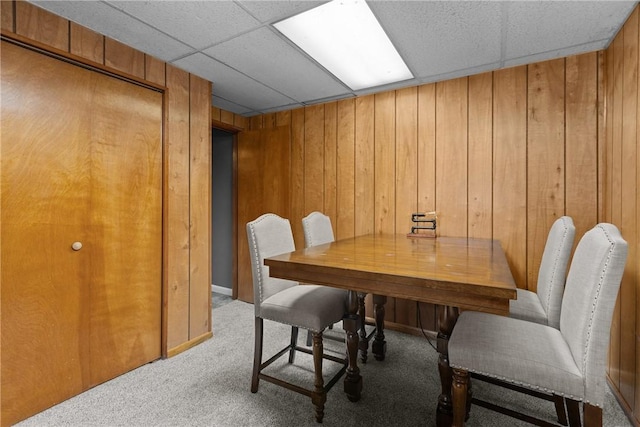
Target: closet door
(80,242)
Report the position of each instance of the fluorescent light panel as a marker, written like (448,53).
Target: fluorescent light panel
(346,38)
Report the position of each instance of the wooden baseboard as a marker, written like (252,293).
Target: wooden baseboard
(189,344)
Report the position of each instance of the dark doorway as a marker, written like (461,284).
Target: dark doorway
(222,225)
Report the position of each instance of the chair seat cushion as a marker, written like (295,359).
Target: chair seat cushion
(311,307)
(516,351)
(528,307)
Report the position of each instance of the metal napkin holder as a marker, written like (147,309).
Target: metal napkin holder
(425,224)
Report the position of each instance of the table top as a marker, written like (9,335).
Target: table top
(468,273)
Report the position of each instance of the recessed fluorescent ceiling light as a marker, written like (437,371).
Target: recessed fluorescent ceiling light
(346,38)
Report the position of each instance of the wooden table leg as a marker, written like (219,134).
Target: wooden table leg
(444,411)
(379,346)
(363,347)
(353,379)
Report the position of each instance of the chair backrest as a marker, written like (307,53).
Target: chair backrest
(268,235)
(317,229)
(553,268)
(589,299)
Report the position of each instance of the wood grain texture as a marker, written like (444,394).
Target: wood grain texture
(330,160)
(7,15)
(123,58)
(480,156)
(345,156)
(176,240)
(509,167)
(313,160)
(462,272)
(427,148)
(364,164)
(545,158)
(297,175)
(42,26)
(199,207)
(86,43)
(155,70)
(628,217)
(451,157)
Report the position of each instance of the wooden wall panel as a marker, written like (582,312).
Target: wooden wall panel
(364,173)
(314,159)
(330,161)
(615,164)
(451,157)
(545,158)
(384,163)
(581,147)
(510,166)
(86,43)
(7,14)
(123,58)
(628,216)
(176,240)
(155,72)
(297,175)
(345,186)
(42,26)
(199,207)
(427,148)
(480,156)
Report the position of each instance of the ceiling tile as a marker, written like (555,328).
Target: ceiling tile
(264,56)
(270,11)
(197,23)
(438,37)
(232,85)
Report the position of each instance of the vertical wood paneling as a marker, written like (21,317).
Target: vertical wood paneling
(510,167)
(86,43)
(283,118)
(480,155)
(42,26)
(330,161)
(451,157)
(628,226)
(635,259)
(200,207)
(176,209)
(226,117)
(7,14)
(123,58)
(345,191)
(298,175)
(385,163)
(155,71)
(581,141)
(364,161)
(616,181)
(313,159)
(427,148)
(406,180)
(545,158)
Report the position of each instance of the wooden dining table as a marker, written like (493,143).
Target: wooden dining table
(455,272)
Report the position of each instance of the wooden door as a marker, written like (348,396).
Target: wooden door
(79,162)
(264,158)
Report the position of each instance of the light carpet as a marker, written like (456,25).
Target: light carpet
(209,385)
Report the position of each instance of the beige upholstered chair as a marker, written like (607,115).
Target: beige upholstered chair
(569,361)
(318,230)
(310,307)
(543,306)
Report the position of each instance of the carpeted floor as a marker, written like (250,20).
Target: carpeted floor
(208,385)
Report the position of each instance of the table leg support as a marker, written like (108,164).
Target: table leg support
(364,339)
(351,322)
(379,345)
(444,411)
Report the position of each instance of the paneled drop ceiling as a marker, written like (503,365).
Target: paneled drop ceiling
(254,69)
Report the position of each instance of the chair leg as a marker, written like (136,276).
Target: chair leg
(592,415)
(294,342)
(558,401)
(309,338)
(319,396)
(257,355)
(573,411)
(459,395)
